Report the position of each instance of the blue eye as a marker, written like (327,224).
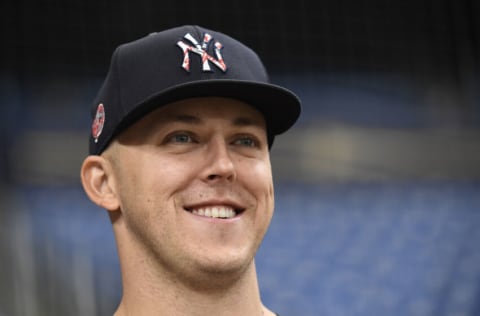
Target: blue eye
(246,141)
(180,138)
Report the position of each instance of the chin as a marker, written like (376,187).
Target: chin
(220,276)
(225,265)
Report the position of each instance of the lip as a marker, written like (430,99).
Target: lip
(238,208)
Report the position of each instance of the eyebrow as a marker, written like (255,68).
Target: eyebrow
(245,121)
(185,118)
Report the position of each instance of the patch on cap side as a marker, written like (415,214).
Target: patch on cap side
(98,122)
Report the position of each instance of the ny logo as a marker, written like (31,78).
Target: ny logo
(201,50)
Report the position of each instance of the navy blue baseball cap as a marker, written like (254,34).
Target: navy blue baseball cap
(181,63)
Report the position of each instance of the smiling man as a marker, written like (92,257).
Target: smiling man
(179,157)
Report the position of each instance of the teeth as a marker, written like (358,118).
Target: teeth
(215,212)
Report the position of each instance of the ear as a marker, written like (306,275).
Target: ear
(98,182)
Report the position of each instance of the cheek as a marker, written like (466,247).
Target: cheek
(154,175)
(260,184)
(258,178)
(262,175)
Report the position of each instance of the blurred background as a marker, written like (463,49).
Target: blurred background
(377,186)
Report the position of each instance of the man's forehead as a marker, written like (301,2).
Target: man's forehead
(201,110)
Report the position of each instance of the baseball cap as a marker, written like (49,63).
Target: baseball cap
(179,63)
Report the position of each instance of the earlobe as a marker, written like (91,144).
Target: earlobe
(96,176)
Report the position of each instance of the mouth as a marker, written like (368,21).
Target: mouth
(215,211)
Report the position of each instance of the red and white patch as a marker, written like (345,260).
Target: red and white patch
(201,50)
(98,122)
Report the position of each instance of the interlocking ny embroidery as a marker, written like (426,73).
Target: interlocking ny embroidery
(201,50)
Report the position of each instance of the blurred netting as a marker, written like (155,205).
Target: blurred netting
(377,195)
(422,40)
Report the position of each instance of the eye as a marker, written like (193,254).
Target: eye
(180,137)
(246,141)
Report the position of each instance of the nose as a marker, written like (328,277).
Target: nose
(219,165)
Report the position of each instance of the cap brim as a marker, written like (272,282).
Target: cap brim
(280,107)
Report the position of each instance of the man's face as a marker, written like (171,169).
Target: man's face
(195,185)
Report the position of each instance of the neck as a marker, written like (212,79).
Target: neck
(150,290)
(144,297)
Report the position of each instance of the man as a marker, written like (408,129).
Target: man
(179,156)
